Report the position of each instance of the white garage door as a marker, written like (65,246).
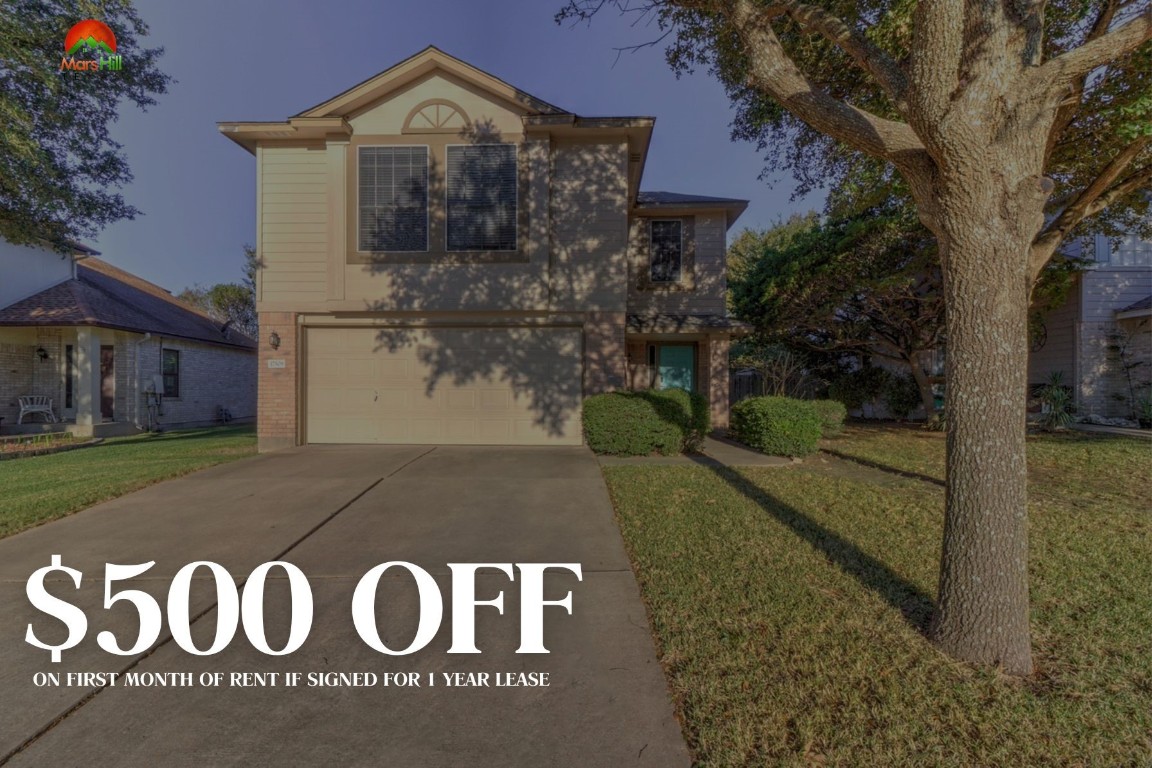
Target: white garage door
(489,386)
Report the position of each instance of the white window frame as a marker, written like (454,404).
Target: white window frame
(516,218)
(427,195)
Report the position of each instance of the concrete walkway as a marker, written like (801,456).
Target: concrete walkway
(1145,434)
(337,512)
(718,452)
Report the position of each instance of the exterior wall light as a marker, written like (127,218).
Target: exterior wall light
(41,353)
(274,340)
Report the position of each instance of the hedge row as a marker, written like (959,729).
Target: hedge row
(784,426)
(667,422)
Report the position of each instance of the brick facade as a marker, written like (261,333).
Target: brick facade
(277,418)
(605,360)
(211,377)
(16,366)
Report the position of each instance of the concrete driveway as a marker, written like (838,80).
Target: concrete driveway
(336,512)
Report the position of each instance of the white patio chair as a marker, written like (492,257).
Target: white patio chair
(30,404)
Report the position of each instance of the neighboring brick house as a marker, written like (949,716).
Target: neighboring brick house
(1110,302)
(113,352)
(447,259)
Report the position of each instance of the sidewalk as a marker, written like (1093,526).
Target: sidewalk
(1145,434)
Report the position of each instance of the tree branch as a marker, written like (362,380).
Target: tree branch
(934,63)
(1095,53)
(1110,185)
(1071,106)
(868,56)
(772,70)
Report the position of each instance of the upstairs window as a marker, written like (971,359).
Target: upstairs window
(667,249)
(481,197)
(393,191)
(1132,252)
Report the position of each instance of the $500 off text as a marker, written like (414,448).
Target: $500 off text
(246,609)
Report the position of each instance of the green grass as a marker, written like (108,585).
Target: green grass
(789,607)
(43,488)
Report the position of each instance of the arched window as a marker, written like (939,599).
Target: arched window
(436,116)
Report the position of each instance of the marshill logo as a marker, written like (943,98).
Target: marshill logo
(95,45)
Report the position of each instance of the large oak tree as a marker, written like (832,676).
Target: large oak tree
(1011,123)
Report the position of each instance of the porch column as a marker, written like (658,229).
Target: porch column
(718,380)
(87,395)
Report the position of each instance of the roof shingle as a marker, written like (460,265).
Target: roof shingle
(106,296)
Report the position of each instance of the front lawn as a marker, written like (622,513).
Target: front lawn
(789,606)
(43,488)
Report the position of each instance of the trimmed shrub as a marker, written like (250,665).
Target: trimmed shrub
(780,426)
(901,395)
(832,414)
(641,423)
(688,409)
(858,387)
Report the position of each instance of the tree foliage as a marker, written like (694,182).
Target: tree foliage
(858,61)
(868,285)
(230,302)
(59,165)
(865,286)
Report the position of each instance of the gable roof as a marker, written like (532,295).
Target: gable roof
(416,66)
(106,296)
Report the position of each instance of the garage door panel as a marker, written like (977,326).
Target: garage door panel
(455,386)
(345,430)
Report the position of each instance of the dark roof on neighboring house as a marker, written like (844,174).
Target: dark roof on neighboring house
(105,296)
(668,323)
(675,201)
(679,200)
(1144,303)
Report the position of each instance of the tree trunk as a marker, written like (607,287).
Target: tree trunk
(982,612)
(923,385)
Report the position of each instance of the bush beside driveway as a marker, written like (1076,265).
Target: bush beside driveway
(789,606)
(44,488)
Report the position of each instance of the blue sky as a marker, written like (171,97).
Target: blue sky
(262,60)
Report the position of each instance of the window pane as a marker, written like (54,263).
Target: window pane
(69,374)
(482,197)
(170,369)
(666,251)
(393,198)
(1133,252)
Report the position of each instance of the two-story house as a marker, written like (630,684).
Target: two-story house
(447,259)
(1100,338)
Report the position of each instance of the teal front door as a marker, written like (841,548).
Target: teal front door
(676,366)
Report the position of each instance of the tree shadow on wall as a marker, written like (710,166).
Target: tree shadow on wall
(563,253)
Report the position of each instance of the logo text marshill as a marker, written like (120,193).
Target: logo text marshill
(108,63)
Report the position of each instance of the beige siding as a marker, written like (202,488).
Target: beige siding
(1059,351)
(293,229)
(703,289)
(589,226)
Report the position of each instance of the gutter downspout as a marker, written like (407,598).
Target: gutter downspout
(136,382)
